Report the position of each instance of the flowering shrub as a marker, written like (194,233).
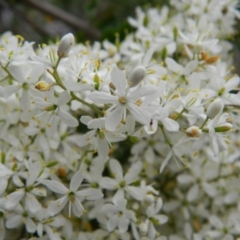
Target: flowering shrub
(133,140)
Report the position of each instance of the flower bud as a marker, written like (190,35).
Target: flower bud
(194,131)
(43,86)
(149,199)
(143,228)
(136,76)
(224,127)
(65,44)
(215,108)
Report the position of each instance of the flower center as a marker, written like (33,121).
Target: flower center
(122,100)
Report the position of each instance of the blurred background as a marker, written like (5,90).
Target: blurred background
(42,20)
(48,20)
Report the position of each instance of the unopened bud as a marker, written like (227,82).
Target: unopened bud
(43,86)
(65,44)
(194,131)
(224,127)
(143,228)
(149,199)
(215,108)
(136,76)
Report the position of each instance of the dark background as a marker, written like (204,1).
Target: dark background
(43,21)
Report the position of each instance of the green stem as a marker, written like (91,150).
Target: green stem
(204,123)
(56,66)
(94,108)
(74,97)
(82,157)
(165,135)
(180,114)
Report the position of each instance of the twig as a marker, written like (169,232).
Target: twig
(47,8)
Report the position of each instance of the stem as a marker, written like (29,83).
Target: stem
(180,114)
(74,97)
(94,108)
(57,63)
(82,157)
(204,123)
(165,135)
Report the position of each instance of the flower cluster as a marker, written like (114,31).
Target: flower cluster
(133,140)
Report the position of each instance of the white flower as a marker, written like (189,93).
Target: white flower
(19,217)
(119,215)
(26,75)
(56,108)
(123,100)
(32,204)
(155,218)
(121,183)
(216,127)
(99,137)
(71,195)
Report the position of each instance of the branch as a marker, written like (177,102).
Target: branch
(71,20)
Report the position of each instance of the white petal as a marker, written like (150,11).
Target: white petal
(139,114)
(108,183)
(133,172)
(63,98)
(90,194)
(14,221)
(216,222)
(57,206)
(161,218)
(34,170)
(102,147)
(209,189)
(30,225)
(52,234)
(114,118)
(32,203)
(109,209)
(148,56)
(116,169)
(76,181)
(67,118)
(112,223)
(118,197)
(135,192)
(119,80)
(9,90)
(170,125)
(16,70)
(231,197)
(102,97)
(214,234)
(25,100)
(185,179)
(123,224)
(13,199)
(77,87)
(55,186)
(78,209)
(173,65)
(3,185)
(190,67)
(193,193)
(142,91)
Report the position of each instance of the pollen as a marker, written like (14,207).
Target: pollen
(122,100)
(43,86)
(138,102)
